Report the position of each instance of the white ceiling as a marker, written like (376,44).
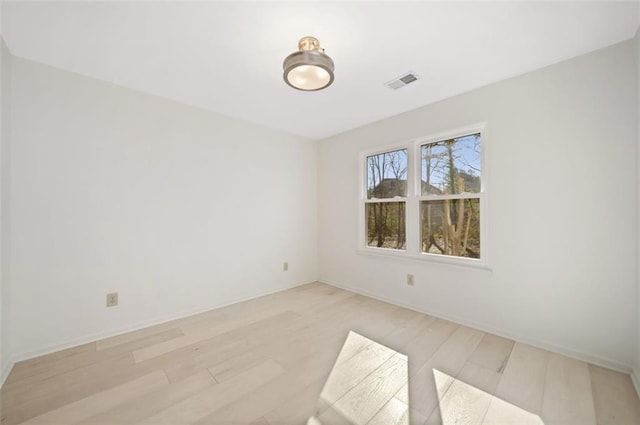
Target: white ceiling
(227,56)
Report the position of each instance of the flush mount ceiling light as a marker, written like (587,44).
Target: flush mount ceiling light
(309,68)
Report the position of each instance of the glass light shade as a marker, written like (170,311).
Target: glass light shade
(308,77)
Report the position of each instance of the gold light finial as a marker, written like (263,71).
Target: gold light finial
(309,43)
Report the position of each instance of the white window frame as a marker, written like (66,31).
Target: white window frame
(414,197)
(366,200)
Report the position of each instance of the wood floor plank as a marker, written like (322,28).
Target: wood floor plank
(204,353)
(337,320)
(233,351)
(66,388)
(362,402)
(407,332)
(207,333)
(47,372)
(34,366)
(215,397)
(285,348)
(454,352)
(492,353)
(16,395)
(522,382)
(395,412)
(260,421)
(77,411)
(426,343)
(429,382)
(378,322)
(299,373)
(330,300)
(259,403)
(354,344)
(463,404)
(297,409)
(204,358)
(140,408)
(331,416)
(501,412)
(350,372)
(568,398)
(128,337)
(415,417)
(615,398)
(480,377)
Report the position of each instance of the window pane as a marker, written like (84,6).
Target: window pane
(386,223)
(387,175)
(451,166)
(451,227)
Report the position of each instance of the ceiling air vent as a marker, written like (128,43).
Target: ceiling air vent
(403,80)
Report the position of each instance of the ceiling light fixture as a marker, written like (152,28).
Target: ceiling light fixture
(309,68)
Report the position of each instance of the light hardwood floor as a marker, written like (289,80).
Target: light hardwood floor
(266,362)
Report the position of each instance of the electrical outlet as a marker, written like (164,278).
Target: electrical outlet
(285,266)
(112,299)
(410,279)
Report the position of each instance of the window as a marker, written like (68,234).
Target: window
(426,199)
(387,199)
(450,196)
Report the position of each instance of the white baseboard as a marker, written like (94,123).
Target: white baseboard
(5,371)
(635,381)
(137,326)
(505,333)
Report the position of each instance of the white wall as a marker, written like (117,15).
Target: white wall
(176,208)
(636,371)
(3,334)
(5,132)
(562,184)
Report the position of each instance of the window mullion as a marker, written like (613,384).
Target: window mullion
(412,216)
(383,200)
(458,196)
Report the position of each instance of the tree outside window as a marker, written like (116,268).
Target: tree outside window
(450,201)
(386,199)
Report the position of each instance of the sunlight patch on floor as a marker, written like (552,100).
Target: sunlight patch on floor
(365,386)
(369,385)
(461,403)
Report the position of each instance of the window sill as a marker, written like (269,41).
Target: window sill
(429,258)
